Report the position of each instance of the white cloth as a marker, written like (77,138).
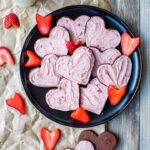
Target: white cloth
(22,132)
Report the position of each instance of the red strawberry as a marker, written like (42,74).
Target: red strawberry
(50,138)
(115,95)
(80,115)
(44,23)
(6,56)
(17,102)
(72,46)
(129,44)
(33,60)
(11,20)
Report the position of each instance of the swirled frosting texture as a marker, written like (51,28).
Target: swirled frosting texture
(98,36)
(107,57)
(77,67)
(75,27)
(117,74)
(65,98)
(94,97)
(46,75)
(55,44)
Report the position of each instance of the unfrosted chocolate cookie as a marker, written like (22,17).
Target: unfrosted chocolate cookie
(104,141)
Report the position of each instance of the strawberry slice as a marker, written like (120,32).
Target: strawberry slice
(17,102)
(6,56)
(11,20)
(50,138)
(72,46)
(44,23)
(33,60)
(81,115)
(115,95)
(129,44)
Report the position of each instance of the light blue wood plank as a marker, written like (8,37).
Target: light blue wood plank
(145,88)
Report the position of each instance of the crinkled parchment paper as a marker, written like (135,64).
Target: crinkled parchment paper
(22,132)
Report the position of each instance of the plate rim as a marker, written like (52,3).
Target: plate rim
(43,112)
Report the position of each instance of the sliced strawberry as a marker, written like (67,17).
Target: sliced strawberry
(50,138)
(115,95)
(72,46)
(6,56)
(129,44)
(80,115)
(33,60)
(11,20)
(17,102)
(44,23)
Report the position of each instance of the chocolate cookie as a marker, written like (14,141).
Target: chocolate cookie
(104,141)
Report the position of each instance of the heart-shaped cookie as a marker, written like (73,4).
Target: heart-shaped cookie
(75,27)
(65,98)
(55,44)
(46,75)
(98,36)
(84,145)
(104,141)
(77,67)
(106,57)
(117,74)
(94,97)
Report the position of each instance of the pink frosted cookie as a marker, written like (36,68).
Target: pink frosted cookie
(84,145)
(98,36)
(46,75)
(55,44)
(77,67)
(75,27)
(117,74)
(106,57)
(94,97)
(65,98)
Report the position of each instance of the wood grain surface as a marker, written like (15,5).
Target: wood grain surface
(133,125)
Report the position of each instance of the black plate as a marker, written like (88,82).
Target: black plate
(37,95)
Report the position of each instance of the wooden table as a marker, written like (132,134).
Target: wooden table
(133,125)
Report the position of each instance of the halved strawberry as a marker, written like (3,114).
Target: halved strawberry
(17,102)
(33,60)
(44,23)
(81,115)
(72,46)
(50,138)
(11,20)
(6,56)
(115,95)
(129,44)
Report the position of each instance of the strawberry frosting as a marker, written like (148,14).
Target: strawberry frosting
(94,97)
(106,57)
(117,74)
(55,44)
(46,75)
(77,67)
(65,98)
(75,27)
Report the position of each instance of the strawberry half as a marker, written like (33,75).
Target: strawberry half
(33,60)
(6,56)
(11,20)
(50,138)
(129,44)
(115,95)
(44,23)
(81,115)
(17,102)
(72,46)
